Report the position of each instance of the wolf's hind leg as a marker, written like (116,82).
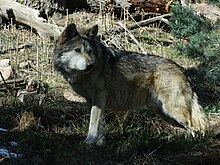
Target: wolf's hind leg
(185,110)
(175,110)
(169,115)
(177,103)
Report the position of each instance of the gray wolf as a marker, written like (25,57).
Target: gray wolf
(119,80)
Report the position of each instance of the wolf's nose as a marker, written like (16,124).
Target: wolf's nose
(89,67)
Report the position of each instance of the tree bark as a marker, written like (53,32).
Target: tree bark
(156,6)
(28,16)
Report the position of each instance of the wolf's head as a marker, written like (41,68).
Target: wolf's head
(74,52)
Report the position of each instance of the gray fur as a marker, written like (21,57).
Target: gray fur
(122,81)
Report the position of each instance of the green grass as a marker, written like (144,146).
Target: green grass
(185,23)
(213,108)
(199,40)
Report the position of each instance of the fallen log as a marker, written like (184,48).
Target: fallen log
(17,12)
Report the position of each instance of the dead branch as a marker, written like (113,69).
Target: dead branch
(14,81)
(148,21)
(140,24)
(12,85)
(132,37)
(4,82)
(15,11)
(22,46)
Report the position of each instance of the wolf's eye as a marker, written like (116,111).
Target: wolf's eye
(78,50)
(65,48)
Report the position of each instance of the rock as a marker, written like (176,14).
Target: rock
(207,11)
(4,62)
(6,73)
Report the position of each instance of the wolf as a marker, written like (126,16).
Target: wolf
(119,80)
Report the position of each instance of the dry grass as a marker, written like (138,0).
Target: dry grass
(25,120)
(31,61)
(34,60)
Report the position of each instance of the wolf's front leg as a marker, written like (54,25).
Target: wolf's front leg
(95,134)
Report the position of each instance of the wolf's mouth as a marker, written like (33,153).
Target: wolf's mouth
(89,68)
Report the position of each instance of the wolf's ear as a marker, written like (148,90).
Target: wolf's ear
(68,34)
(92,32)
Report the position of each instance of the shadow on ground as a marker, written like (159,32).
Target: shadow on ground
(55,133)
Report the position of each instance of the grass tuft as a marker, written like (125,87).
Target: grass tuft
(25,120)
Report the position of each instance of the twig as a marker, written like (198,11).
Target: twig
(12,85)
(4,82)
(142,23)
(22,46)
(132,37)
(13,89)
(154,150)
(11,81)
(148,21)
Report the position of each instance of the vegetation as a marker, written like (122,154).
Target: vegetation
(55,136)
(184,22)
(199,40)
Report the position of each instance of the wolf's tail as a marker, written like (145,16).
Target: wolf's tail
(199,120)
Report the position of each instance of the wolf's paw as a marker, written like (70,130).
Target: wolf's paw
(91,140)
